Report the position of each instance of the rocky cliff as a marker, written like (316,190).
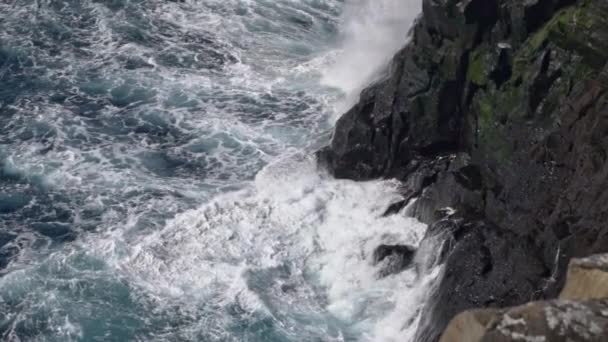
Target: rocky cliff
(499,110)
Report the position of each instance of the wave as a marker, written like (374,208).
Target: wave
(157,183)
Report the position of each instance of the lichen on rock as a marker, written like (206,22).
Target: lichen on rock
(582,318)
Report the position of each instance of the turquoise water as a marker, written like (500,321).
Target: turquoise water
(156,177)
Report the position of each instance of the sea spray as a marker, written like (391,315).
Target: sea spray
(371,33)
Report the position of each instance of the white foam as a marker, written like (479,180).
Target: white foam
(326,229)
(307,236)
(372,32)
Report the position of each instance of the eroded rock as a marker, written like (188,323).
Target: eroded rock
(392,259)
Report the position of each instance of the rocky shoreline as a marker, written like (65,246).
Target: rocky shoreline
(498,110)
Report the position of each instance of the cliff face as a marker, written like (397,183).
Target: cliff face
(498,109)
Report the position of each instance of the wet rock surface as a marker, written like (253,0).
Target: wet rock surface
(392,259)
(497,110)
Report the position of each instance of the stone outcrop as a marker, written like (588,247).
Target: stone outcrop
(587,278)
(392,259)
(497,109)
(581,313)
(550,321)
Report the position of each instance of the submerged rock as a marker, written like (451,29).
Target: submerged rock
(392,259)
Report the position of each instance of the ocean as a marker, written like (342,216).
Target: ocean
(158,179)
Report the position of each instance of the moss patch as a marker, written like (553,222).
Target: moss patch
(492,139)
(581,28)
(477,71)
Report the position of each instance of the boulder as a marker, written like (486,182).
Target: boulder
(550,321)
(470,326)
(392,259)
(587,278)
(581,314)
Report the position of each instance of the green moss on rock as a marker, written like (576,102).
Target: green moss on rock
(477,71)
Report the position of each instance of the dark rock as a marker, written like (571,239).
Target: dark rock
(495,117)
(486,266)
(392,259)
(395,208)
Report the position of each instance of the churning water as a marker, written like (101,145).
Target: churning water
(156,178)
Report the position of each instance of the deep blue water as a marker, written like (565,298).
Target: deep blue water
(156,177)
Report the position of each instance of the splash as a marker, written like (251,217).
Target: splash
(372,31)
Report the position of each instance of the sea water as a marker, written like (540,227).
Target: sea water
(157,176)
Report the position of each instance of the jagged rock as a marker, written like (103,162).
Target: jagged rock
(403,117)
(587,278)
(395,208)
(497,109)
(485,266)
(392,259)
(458,188)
